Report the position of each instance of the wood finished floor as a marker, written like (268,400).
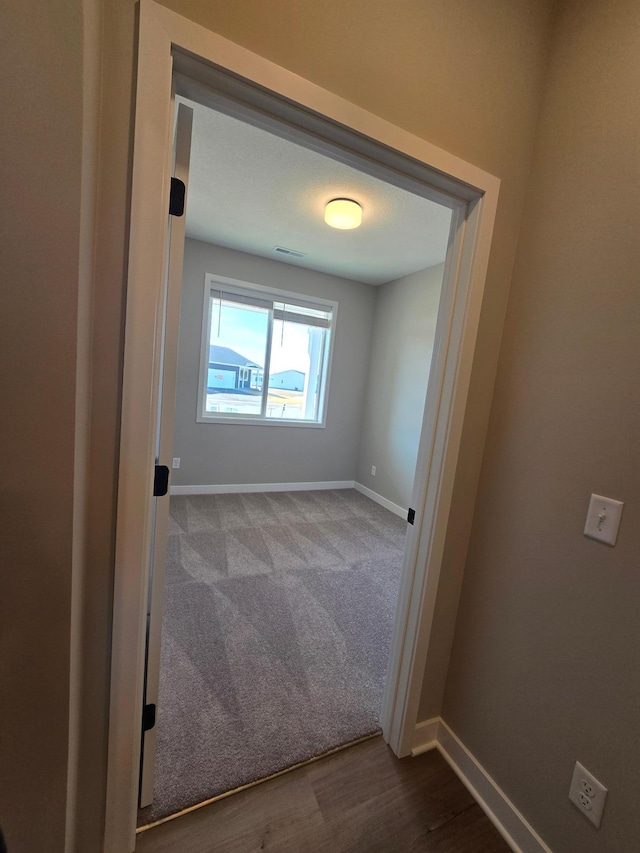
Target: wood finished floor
(361,800)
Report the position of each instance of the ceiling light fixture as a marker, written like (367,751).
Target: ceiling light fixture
(343,213)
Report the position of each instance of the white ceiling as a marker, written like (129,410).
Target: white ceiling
(251,190)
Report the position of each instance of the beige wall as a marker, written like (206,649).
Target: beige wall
(545,667)
(217,453)
(466,76)
(402,344)
(40,157)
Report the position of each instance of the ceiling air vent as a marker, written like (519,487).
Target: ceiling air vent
(290,253)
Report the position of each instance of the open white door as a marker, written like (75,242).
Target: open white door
(164,447)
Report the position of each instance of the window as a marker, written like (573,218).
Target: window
(265,355)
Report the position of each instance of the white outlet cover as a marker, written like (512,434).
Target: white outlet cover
(603,519)
(587,794)
(176,462)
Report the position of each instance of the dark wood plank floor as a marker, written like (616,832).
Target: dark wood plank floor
(361,800)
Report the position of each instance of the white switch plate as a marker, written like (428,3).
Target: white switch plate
(603,519)
(373,470)
(587,794)
(176,462)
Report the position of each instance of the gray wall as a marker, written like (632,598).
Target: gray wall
(545,665)
(217,453)
(403,332)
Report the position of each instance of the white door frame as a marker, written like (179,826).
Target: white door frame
(395,155)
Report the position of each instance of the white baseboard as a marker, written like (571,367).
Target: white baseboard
(425,736)
(245,488)
(374,496)
(510,823)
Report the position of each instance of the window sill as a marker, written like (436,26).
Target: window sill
(273,422)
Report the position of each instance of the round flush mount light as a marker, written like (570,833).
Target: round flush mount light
(343,213)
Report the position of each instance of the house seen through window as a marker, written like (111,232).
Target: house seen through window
(265,355)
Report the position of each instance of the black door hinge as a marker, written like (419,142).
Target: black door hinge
(160,481)
(148,717)
(176,198)
(411,516)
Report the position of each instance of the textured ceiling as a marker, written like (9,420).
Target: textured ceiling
(252,191)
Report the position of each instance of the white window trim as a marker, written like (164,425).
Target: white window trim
(233,284)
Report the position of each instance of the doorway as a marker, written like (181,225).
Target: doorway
(246,84)
(300,390)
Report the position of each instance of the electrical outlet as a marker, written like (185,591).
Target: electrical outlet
(373,470)
(176,462)
(587,794)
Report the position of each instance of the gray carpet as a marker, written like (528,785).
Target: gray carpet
(276,631)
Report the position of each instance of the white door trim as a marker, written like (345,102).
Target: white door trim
(467,189)
(456,329)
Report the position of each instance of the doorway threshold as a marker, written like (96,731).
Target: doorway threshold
(253,784)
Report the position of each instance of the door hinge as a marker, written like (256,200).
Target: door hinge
(411,516)
(160,481)
(148,717)
(176,197)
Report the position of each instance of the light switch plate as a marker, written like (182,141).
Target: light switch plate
(603,519)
